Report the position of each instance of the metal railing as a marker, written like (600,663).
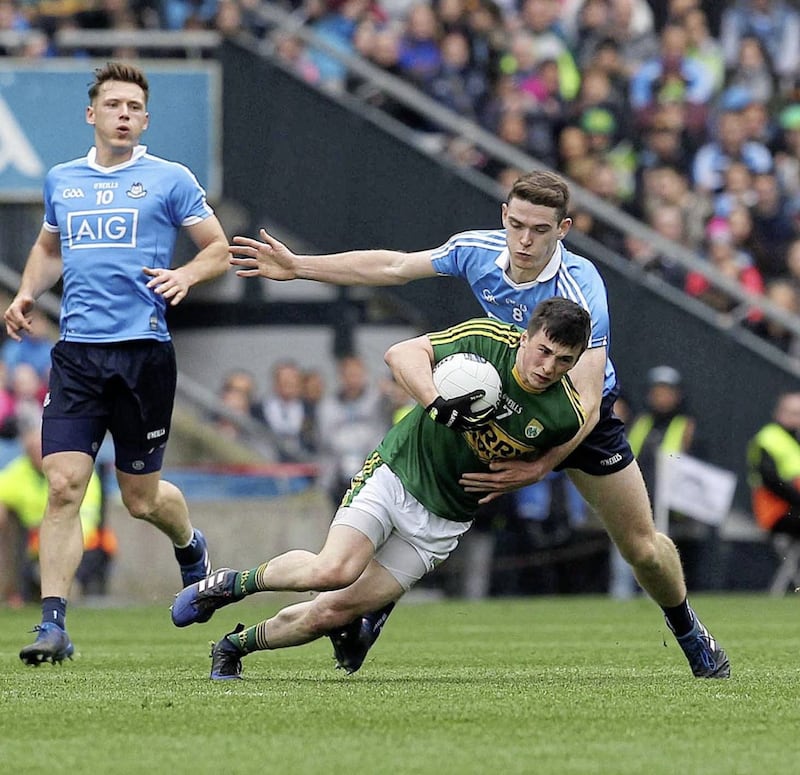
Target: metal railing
(280,22)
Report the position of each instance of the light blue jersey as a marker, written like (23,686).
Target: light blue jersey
(481,258)
(113,221)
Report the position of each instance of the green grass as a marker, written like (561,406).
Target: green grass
(543,685)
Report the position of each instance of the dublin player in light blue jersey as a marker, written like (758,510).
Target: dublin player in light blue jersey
(510,270)
(110,224)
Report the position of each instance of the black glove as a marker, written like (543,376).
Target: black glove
(456,413)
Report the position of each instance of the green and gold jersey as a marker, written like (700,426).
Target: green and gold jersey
(430,458)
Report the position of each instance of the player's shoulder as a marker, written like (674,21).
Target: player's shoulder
(69,166)
(488,327)
(576,264)
(165,165)
(486,239)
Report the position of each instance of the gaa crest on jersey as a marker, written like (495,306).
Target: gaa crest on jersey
(533,429)
(136,191)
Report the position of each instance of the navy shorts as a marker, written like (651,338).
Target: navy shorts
(605,450)
(125,388)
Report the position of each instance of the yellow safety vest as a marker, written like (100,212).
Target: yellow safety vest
(672,442)
(784,450)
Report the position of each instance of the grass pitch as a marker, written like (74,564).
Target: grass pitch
(541,685)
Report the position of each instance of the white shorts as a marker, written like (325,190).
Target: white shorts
(409,540)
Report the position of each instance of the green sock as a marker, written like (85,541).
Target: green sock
(248,581)
(252,639)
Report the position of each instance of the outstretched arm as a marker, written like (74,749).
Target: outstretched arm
(42,270)
(587,376)
(271,259)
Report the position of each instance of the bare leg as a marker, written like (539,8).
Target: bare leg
(161,503)
(305,622)
(621,502)
(61,537)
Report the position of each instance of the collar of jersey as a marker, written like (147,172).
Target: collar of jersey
(548,273)
(138,152)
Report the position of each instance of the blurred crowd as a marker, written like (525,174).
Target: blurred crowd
(685,114)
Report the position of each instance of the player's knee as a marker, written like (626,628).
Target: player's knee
(333,575)
(139,506)
(64,488)
(640,553)
(322,619)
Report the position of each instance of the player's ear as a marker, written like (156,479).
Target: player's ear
(564,227)
(90,115)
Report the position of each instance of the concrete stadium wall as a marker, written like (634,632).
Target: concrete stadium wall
(241,534)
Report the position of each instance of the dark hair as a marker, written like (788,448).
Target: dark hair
(563,321)
(117,71)
(543,188)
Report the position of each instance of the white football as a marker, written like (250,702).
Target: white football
(462,373)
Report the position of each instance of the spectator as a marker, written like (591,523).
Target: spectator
(793,263)
(773,458)
(731,263)
(774,22)
(737,190)
(351,422)
(672,75)
(666,186)
(237,396)
(783,293)
(8,425)
(283,411)
(631,28)
(701,44)
(420,56)
(728,143)
(313,393)
(787,152)
(666,141)
(457,85)
(572,148)
(773,227)
(28,389)
(666,426)
(587,30)
(753,71)
(668,221)
(34,349)
(600,127)
(23,496)
(540,19)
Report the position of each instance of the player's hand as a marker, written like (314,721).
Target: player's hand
(505,475)
(169,283)
(268,258)
(17,317)
(456,412)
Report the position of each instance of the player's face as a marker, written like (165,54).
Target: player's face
(541,362)
(119,116)
(532,233)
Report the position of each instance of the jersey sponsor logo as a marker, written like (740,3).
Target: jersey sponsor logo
(156,434)
(92,229)
(533,429)
(136,191)
(610,461)
(105,184)
(73,193)
(491,442)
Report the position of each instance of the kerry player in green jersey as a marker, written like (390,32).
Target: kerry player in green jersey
(405,509)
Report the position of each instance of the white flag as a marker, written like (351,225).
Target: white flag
(694,488)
